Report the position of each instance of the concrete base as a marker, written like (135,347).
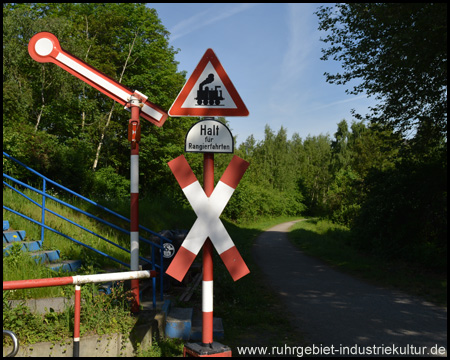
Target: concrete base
(43,305)
(214,349)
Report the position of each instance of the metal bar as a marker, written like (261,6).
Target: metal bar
(161,266)
(80,226)
(76,327)
(119,276)
(83,228)
(66,204)
(43,209)
(37,283)
(15,343)
(76,194)
(134,198)
(207,284)
(78,279)
(66,236)
(43,226)
(73,193)
(161,274)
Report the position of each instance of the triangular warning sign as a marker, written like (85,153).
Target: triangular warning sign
(208,92)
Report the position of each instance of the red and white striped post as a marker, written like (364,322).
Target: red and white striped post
(76,326)
(207,283)
(134,133)
(77,280)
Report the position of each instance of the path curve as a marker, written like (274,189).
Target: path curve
(333,308)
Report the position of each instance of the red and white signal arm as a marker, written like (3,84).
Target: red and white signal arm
(208,92)
(44,47)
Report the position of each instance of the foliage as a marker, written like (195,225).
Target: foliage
(399,51)
(65,127)
(251,202)
(101,314)
(344,197)
(163,348)
(405,214)
(393,185)
(315,176)
(110,185)
(105,314)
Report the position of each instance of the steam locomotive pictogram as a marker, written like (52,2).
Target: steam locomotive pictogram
(207,96)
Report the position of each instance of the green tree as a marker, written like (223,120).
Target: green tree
(340,147)
(405,214)
(127,42)
(270,186)
(315,176)
(354,154)
(399,52)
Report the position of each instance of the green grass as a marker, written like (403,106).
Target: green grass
(331,243)
(163,348)
(153,214)
(101,314)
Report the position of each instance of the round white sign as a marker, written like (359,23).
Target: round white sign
(209,136)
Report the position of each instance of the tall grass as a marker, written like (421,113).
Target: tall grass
(153,214)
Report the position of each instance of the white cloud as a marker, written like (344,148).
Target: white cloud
(211,15)
(335,103)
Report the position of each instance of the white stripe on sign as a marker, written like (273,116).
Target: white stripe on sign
(152,112)
(220,237)
(207,296)
(208,211)
(197,198)
(196,236)
(87,73)
(220,196)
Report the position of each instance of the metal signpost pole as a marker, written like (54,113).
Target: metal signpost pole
(134,133)
(207,284)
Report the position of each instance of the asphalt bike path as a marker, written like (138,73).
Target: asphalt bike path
(335,309)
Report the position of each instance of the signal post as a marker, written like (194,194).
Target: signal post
(208,93)
(44,47)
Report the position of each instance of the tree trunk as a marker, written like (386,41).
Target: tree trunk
(99,147)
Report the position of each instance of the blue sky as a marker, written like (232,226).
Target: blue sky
(271,53)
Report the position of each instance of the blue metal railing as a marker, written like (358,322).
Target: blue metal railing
(41,223)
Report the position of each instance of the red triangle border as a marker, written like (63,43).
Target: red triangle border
(176,109)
